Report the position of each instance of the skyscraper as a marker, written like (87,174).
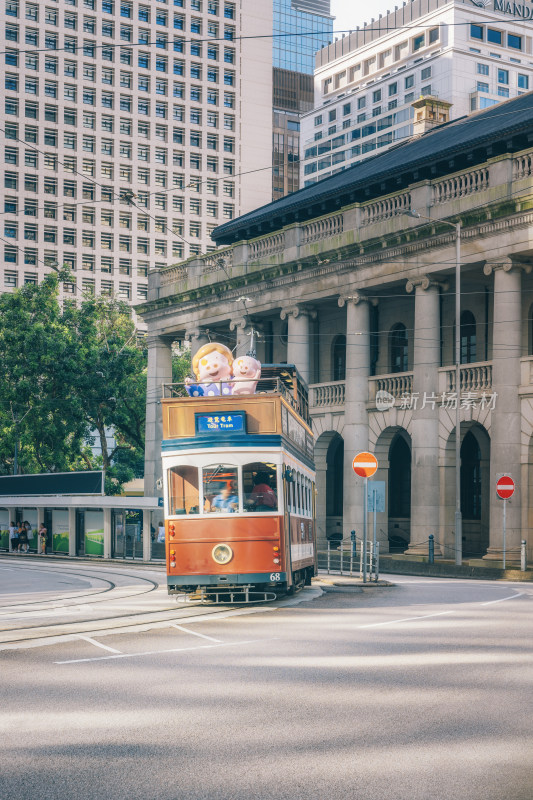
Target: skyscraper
(470,55)
(300,29)
(130,130)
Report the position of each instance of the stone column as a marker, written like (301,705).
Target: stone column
(298,343)
(159,372)
(147,534)
(425,487)
(72,531)
(355,431)
(107,533)
(243,331)
(506,417)
(197,338)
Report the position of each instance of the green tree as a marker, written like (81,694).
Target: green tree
(112,386)
(73,376)
(40,412)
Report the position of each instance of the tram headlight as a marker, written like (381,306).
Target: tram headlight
(222,553)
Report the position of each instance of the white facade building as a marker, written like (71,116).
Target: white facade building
(130,130)
(459,51)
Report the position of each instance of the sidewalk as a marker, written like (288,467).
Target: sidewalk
(353,581)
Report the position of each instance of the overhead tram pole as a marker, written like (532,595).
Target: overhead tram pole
(458,514)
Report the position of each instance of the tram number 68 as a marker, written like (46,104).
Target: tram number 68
(275,576)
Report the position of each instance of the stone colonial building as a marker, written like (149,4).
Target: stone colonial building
(339,280)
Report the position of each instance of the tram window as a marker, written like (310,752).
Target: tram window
(221,488)
(259,483)
(290,497)
(183,490)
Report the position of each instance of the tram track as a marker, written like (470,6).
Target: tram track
(94,595)
(91,620)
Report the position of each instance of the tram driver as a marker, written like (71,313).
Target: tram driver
(225,501)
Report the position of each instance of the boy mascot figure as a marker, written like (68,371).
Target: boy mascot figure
(212,366)
(246,373)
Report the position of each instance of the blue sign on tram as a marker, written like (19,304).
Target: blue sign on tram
(233,422)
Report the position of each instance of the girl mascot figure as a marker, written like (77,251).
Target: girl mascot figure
(246,373)
(212,366)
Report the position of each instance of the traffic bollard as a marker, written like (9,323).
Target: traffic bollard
(431,549)
(523,555)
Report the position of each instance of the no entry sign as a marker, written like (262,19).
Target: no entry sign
(505,487)
(365,465)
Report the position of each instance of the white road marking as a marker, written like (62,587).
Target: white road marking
(503,599)
(195,633)
(405,619)
(98,644)
(161,652)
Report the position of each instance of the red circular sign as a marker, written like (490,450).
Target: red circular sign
(505,487)
(365,465)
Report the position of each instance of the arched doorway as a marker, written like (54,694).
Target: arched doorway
(329,455)
(399,494)
(475,490)
(475,534)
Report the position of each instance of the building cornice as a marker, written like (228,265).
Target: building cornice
(284,275)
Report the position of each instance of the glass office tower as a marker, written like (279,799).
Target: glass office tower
(300,28)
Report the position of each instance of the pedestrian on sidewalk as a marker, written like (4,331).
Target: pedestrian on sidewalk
(29,531)
(13,537)
(42,539)
(23,538)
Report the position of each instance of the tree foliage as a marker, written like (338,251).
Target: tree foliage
(73,376)
(40,409)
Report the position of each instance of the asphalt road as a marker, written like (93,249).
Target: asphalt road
(419,690)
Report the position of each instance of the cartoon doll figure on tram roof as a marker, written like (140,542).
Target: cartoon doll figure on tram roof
(212,366)
(246,373)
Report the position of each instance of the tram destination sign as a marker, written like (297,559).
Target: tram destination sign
(234,422)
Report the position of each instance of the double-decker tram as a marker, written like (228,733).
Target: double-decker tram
(239,482)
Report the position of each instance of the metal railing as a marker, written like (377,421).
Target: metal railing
(270,385)
(343,557)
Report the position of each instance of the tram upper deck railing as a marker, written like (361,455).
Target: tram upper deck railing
(280,379)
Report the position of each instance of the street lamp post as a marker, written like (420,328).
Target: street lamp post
(458,515)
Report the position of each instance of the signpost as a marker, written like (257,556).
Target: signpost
(365,465)
(505,487)
(375,502)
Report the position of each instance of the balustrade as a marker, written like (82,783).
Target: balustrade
(385,209)
(215,261)
(475,378)
(327,394)
(397,384)
(173,274)
(266,246)
(522,166)
(460,185)
(322,228)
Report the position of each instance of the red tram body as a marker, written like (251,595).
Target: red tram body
(239,487)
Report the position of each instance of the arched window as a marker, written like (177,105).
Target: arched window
(398,348)
(468,337)
(339,358)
